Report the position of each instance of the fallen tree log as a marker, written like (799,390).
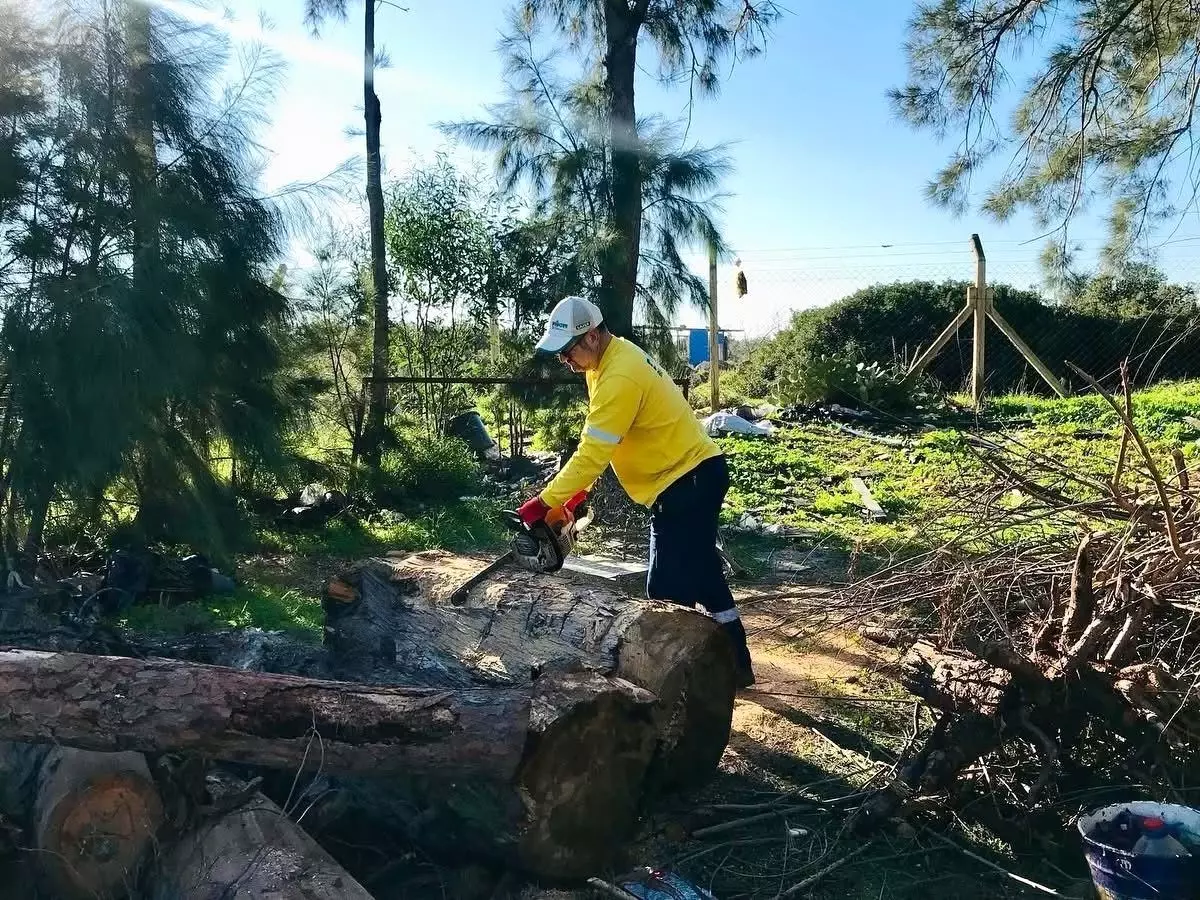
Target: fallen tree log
(555,768)
(564,815)
(953,682)
(95,819)
(252,851)
(396,612)
(112,703)
(85,819)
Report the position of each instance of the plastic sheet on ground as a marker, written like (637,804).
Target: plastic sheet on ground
(727,423)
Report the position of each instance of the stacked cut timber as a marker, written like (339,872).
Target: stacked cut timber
(549,772)
(514,624)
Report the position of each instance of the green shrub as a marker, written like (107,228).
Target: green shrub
(892,323)
(426,469)
(557,428)
(839,380)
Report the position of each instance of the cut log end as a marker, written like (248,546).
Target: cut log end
(591,740)
(95,818)
(687,661)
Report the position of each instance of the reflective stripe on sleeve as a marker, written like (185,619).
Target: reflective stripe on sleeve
(605,437)
(726,616)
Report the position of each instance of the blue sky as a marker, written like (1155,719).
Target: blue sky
(824,173)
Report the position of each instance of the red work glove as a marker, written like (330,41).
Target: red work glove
(575,502)
(533,511)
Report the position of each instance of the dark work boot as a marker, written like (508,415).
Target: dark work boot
(741,653)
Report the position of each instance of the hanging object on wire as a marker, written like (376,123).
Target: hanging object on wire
(740,279)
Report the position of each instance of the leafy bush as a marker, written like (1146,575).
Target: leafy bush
(894,322)
(839,380)
(426,469)
(557,428)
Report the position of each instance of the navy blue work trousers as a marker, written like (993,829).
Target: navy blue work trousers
(685,565)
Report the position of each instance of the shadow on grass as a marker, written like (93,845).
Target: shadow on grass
(285,596)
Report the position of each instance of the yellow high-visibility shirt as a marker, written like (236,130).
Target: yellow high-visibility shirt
(639,421)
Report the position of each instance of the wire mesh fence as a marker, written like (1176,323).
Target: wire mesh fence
(1145,315)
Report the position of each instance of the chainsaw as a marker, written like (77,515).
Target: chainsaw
(542,547)
(545,545)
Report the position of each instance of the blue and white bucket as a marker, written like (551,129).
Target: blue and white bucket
(652,884)
(1121,874)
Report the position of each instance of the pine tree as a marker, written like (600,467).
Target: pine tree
(1106,115)
(691,41)
(138,331)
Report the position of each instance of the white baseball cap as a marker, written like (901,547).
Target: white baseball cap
(572,317)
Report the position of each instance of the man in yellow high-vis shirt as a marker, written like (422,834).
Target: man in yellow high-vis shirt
(639,422)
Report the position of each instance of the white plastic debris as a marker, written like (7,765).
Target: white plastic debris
(727,423)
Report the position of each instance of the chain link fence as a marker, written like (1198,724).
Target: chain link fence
(1146,316)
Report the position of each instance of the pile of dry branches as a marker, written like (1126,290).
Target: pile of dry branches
(1058,640)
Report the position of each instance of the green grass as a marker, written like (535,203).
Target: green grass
(252,605)
(1158,411)
(465,525)
(800,477)
(276,606)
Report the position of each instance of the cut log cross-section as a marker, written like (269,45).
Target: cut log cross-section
(396,612)
(95,817)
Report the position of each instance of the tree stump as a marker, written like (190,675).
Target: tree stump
(396,612)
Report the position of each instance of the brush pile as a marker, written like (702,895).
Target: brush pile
(1059,641)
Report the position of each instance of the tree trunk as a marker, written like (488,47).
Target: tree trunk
(622,22)
(515,623)
(564,815)
(546,775)
(252,851)
(377,407)
(95,818)
(109,703)
(953,682)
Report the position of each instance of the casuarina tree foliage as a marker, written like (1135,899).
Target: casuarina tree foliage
(583,145)
(1061,103)
(138,330)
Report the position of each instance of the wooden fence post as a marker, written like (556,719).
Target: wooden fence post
(714,362)
(977,299)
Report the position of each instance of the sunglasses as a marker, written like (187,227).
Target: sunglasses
(571,345)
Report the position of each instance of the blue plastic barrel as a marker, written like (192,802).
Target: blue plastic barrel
(1121,874)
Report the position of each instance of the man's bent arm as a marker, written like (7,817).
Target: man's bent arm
(610,413)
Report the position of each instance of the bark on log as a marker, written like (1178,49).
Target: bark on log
(953,682)
(565,814)
(956,742)
(555,768)
(95,818)
(111,703)
(1082,603)
(514,622)
(254,851)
